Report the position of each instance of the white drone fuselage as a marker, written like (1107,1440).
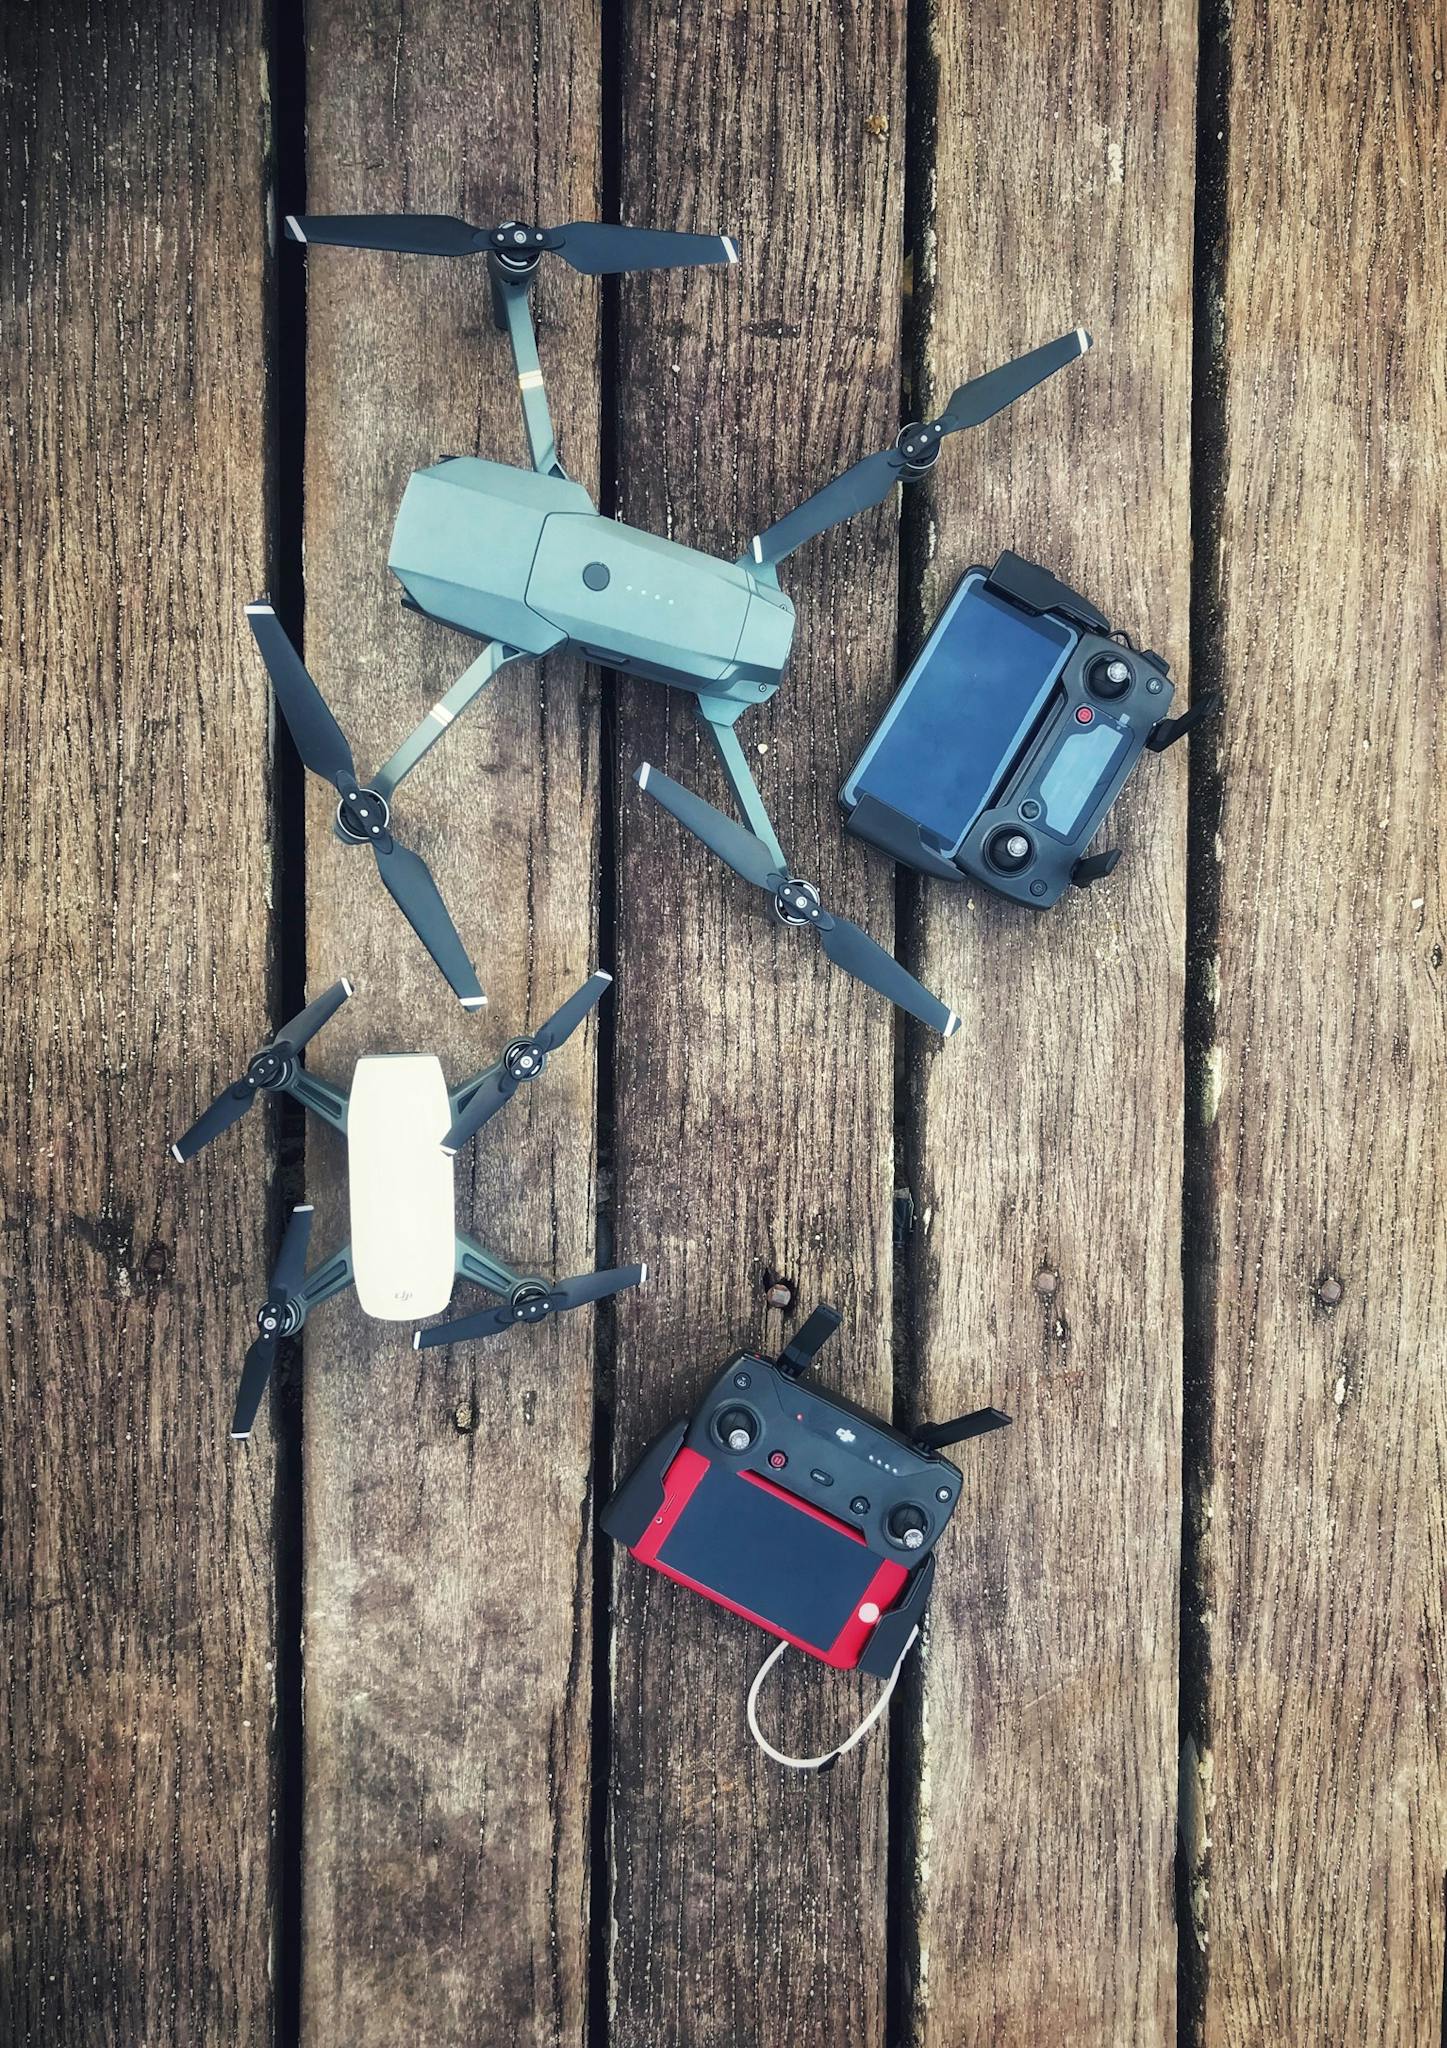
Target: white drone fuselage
(400,1182)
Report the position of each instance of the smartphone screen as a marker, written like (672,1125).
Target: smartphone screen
(963,710)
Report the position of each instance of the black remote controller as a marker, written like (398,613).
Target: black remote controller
(1011,736)
(797,1508)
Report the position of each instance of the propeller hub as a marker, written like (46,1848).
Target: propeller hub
(920,445)
(517,245)
(798,903)
(524,1059)
(277,1317)
(269,1068)
(363,816)
(529,1302)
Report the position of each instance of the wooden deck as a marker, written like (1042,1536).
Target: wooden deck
(357,1734)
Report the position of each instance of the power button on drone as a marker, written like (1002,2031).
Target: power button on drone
(597,576)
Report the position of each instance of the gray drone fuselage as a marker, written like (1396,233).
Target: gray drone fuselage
(527,560)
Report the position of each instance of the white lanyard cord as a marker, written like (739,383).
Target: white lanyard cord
(832,1756)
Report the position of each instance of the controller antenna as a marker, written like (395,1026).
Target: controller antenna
(798,1354)
(934,1436)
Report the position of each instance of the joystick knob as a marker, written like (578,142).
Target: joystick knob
(1009,850)
(907,1525)
(1108,676)
(737,1428)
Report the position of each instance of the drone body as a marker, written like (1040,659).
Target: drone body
(507,555)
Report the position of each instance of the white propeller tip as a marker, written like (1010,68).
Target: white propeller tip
(177,1155)
(241,1436)
(449,1151)
(294,228)
(952,1025)
(261,610)
(731,247)
(347,988)
(474,1002)
(416,1340)
(758,545)
(602,974)
(1083,338)
(643,1275)
(302,1208)
(642,774)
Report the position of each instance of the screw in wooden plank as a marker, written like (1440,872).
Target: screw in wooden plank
(778,1292)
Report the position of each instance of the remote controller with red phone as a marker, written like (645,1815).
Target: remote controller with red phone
(797,1509)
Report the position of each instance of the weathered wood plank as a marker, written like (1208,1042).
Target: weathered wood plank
(447,1615)
(138,1776)
(1047,1148)
(1324,1536)
(754,1085)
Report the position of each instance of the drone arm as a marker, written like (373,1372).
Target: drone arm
(316,1096)
(475,1263)
(719,716)
(458,1098)
(328,1279)
(864,483)
(513,314)
(471,683)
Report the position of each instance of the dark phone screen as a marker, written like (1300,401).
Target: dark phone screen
(799,1573)
(964,709)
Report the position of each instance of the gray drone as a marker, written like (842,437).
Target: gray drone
(403,1128)
(523,561)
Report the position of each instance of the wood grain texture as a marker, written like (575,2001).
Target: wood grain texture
(448,1569)
(137,1779)
(1322,1791)
(1043,1752)
(754,1083)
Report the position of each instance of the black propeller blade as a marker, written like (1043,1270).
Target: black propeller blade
(363,815)
(523,1061)
(277,1317)
(797,902)
(268,1069)
(870,481)
(594,247)
(530,1303)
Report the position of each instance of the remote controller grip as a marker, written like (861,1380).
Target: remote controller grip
(886,1645)
(640,1497)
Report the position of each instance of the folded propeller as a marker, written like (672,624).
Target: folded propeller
(523,1061)
(870,481)
(594,247)
(277,1317)
(529,1302)
(797,902)
(363,815)
(269,1068)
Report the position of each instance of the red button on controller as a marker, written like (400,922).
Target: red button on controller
(1084,715)
(778,1459)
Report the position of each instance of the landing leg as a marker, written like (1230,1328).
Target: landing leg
(718,714)
(471,683)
